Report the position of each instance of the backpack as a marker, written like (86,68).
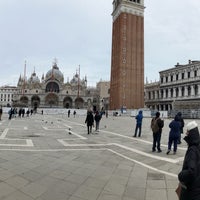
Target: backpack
(154,125)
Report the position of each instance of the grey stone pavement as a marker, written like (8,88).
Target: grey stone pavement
(40,160)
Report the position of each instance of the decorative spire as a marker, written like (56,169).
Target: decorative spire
(55,64)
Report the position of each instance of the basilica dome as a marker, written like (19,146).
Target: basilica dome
(33,79)
(55,73)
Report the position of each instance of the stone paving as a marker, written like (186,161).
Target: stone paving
(40,160)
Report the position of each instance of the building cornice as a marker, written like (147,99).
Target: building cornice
(128,7)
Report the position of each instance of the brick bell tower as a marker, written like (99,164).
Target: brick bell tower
(127,62)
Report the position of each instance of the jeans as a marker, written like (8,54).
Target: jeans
(138,126)
(97,125)
(156,141)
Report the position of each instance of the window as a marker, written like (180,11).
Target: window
(188,74)
(182,91)
(161,79)
(149,95)
(177,77)
(171,78)
(166,93)
(171,92)
(195,73)
(166,79)
(136,1)
(176,92)
(183,75)
(189,91)
(195,90)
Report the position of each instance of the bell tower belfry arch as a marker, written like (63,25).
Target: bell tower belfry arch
(127,62)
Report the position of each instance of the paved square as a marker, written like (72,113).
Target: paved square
(51,157)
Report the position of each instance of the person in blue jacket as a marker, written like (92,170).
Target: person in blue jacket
(174,134)
(138,118)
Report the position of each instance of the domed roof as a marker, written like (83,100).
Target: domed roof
(75,79)
(33,79)
(55,73)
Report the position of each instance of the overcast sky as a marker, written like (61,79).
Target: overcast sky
(80,33)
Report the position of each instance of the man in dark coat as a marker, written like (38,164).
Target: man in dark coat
(189,177)
(181,121)
(156,125)
(173,134)
(90,121)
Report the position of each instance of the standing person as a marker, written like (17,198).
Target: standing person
(173,134)
(156,125)
(68,113)
(138,118)
(181,121)
(89,121)
(74,113)
(189,177)
(97,119)
(10,113)
(1,112)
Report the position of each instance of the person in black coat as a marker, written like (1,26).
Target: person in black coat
(97,119)
(90,121)
(189,177)
(182,123)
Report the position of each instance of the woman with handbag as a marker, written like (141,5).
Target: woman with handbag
(189,177)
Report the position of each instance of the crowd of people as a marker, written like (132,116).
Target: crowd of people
(157,124)
(13,112)
(189,176)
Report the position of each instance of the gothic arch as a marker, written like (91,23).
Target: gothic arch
(51,100)
(67,102)
(24,101)
(35,101)
(52,87)
(79,103)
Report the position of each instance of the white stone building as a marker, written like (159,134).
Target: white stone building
(178,88)
(6,95)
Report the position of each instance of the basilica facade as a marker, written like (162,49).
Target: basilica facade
(52,92)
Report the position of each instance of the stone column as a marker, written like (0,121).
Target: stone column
(192,90)
(198,90)
(164,94)
(179,92)
(174,92)
(186,91)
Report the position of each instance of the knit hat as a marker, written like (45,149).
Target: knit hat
(191,125)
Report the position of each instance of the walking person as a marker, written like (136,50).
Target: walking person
(89,121)
(181,121)
(138,118)
(189,177)
(156,125)
(97,119)
(173,134)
